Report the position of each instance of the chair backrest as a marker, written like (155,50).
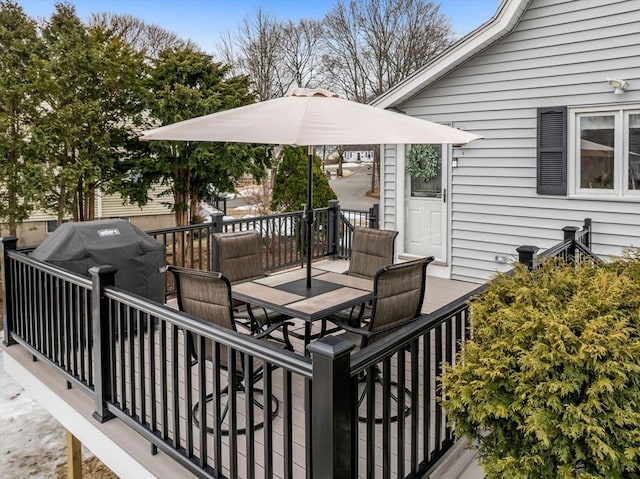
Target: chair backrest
(238,255)
(398,293)
(207,296)
(371,250)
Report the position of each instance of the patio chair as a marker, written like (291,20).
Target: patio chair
(207,296)
(371,250)
(398,293)
(238,255)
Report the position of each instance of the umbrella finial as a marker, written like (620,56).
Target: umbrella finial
(313,92)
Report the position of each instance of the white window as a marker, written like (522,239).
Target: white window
(606,152)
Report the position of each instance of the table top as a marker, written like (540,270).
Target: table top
(286,293)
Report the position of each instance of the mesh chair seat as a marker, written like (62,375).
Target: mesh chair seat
(398,294)
(206,296)
(238,255)
(371,250)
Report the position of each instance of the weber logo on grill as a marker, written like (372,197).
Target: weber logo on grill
(108,232)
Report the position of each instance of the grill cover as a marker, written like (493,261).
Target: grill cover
(140,260)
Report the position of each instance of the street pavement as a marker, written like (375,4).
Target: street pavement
(351,189)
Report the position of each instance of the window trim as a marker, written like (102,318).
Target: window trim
(620,191)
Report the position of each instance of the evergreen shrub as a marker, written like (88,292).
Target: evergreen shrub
(549,384)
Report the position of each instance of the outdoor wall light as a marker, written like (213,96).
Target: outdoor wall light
(620,86)
(454,163)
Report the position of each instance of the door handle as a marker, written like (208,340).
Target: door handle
(444,195)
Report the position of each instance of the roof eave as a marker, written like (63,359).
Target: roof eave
(503,22)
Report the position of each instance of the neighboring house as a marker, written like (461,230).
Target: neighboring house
(561,142)
(155,214)
(357,154)
(353,153)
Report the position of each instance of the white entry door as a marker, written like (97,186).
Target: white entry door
(426,213)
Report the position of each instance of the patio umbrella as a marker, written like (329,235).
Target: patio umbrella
(309,117)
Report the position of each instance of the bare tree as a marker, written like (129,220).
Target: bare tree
(371,45)
(300,55)
(254,50)
(141,36)
(276,55)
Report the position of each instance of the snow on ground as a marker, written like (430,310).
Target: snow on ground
(32,442)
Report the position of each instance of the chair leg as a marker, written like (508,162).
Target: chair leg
(378,380)
(225,410)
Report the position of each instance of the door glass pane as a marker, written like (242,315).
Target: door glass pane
(432,187)
(597,151)
(634,151)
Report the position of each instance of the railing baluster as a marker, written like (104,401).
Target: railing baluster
(164,377)
(401,413)
(250,416)
(187,341)
(438,365)
(268,420)
(175,406)
(386,416)
(142,327)
(427,395)
(151,338)
(217,414)
(414,404)
(449,337)
(232,413)
(201,349)
(287,417)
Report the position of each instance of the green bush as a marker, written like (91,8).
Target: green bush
(290,190)
(549,384)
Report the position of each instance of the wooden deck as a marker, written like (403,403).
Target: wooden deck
(439,292)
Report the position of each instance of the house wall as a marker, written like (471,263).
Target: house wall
(153,215)
(560,54)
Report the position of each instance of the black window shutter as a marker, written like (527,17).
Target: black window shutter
(552,151)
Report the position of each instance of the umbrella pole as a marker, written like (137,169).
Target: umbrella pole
(309,213)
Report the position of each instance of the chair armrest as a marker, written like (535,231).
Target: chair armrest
(285,333)
(343,325)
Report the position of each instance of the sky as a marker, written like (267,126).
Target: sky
(205,21)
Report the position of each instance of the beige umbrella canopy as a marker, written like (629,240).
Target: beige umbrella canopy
(309,117)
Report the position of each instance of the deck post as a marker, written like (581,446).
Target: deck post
(570,235)
(528,256)
(587,237)
(8,243)
(74,457)
(334,228)
(217,220)
(332,424)
(101,277)
(374,214)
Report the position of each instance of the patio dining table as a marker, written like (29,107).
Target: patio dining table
(286,293)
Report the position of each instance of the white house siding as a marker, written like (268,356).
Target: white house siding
(388,188)
(560,54)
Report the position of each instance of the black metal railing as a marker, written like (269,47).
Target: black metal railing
(283,236)
(348,221)
(49,309)
(131,356)
(575,247)
(410,365)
